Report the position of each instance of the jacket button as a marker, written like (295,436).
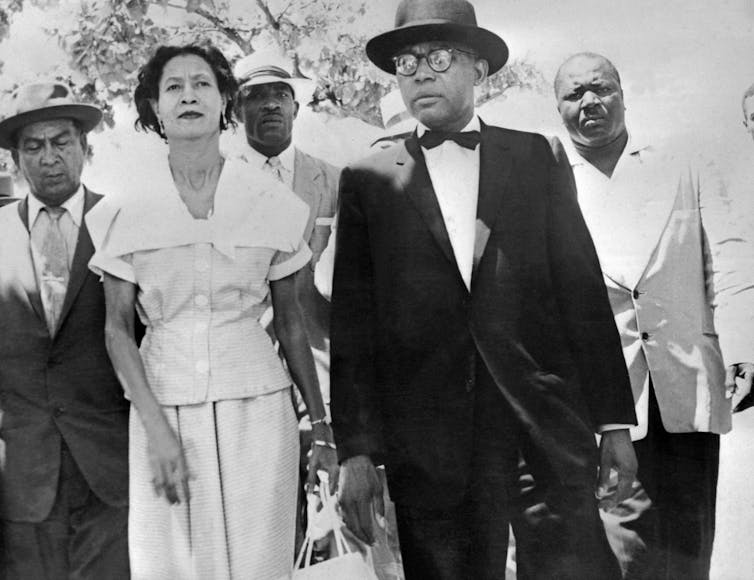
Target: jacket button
(469,385)
(636,294)
(59,411)
(645,336)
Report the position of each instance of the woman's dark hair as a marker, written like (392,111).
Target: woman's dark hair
(151,73)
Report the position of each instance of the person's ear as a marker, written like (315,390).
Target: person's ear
(295,109)
(482,67)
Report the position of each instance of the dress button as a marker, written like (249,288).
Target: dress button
(202,366)
(636,294)
(202,266)
(200,300)
(645,336)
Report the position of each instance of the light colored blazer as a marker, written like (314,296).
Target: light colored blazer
(659,226)
(316,183)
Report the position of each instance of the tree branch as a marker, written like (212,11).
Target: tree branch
(227,30)
(271,20)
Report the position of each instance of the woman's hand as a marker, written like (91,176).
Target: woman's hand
(322,457)
(168,465)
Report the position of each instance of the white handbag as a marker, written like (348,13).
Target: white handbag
(347,565)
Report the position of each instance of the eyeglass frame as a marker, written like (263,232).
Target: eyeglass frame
(425,56)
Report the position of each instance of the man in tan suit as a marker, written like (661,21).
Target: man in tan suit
(659,225)
(268,107)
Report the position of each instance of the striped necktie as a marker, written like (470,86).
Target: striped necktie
(274,166)
(55,272)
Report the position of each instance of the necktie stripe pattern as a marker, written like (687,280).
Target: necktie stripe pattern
(274,166)
(55,272)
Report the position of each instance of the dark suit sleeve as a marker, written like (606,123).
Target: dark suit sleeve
(353,399)
(582,300)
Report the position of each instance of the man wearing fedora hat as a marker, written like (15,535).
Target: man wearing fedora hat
(65,421)
(471,327)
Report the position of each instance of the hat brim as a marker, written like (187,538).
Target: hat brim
(88,115)
(488,45)
(299,85)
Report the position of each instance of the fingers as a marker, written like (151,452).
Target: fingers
(311,476)
(365,517)
(603,481)
(748,380)
(730,380)
(172,481)
(378,505)
(334,472)
(625,485)
(358,518)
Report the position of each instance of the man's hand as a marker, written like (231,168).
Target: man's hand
(616,452)
(360,496)
(744,371)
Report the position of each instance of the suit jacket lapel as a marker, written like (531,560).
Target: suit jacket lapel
(81,257)
(30,283)
(495,164)
(418,186)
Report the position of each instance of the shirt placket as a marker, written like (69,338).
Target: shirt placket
(202,317)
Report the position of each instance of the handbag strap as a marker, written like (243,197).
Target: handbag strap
(329,503)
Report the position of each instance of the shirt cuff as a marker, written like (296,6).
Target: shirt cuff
(612,427)
(297,261)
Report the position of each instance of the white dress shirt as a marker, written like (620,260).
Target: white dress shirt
(287,160)
(454,171)
(70,222)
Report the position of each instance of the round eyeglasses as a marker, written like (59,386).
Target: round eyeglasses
(438,59)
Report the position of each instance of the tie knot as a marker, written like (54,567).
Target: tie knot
(274,162)
(54,212)
(467,139)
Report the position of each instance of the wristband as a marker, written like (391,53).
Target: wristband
(321,443)
(324,420)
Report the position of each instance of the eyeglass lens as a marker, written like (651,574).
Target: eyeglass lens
(438,60)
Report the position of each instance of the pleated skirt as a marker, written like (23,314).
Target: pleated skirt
(240,521)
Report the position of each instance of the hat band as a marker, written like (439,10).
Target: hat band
(265,71)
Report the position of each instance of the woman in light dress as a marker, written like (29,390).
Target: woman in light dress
(196,246)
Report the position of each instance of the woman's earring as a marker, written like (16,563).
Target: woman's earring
(162,125)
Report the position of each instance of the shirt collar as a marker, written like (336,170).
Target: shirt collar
(634,145)
(74,205)
(286,157)
(473,125)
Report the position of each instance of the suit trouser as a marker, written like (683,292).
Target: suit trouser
(82,537)
(666,529)
(565,540)
(469,541)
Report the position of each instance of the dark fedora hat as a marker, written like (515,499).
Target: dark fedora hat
(427,20)
(43,102)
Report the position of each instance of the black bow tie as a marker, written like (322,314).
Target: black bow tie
(431,139)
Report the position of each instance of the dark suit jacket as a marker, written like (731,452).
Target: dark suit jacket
(55,389)
(407,334)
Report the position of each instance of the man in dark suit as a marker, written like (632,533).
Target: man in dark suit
(471,327)
(65,420)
